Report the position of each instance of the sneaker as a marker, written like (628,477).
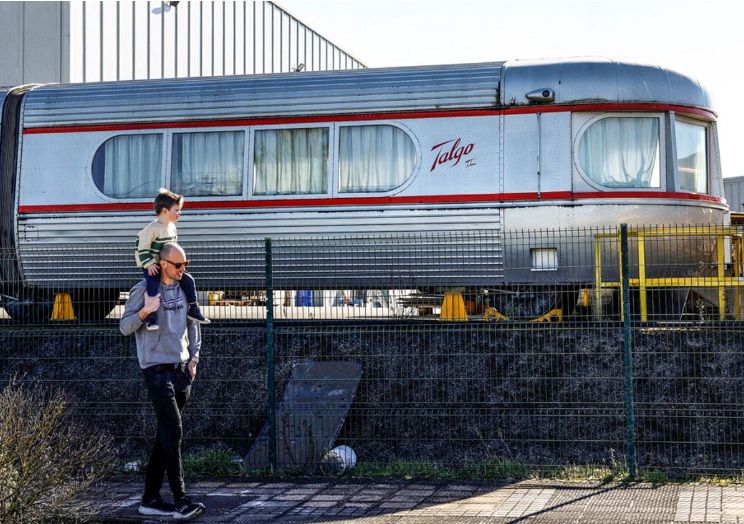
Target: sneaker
(158,507)
(187,509)
(196,314)
(152,326)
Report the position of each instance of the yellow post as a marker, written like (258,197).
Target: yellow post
(620,268)
(597,277)
(642,275)
(721,266)
(213,297)
(736,239)
(453,306)
(62,309)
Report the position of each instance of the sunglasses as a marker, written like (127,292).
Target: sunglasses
(176,265)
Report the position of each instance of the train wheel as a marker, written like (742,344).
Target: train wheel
(526,304)
(31,307)
(93,305)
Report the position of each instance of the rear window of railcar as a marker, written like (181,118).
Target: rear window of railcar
(622,152)
(692,162)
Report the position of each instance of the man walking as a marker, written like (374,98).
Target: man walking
(168,358)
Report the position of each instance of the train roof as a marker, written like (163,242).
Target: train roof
(359,91)
(592,79)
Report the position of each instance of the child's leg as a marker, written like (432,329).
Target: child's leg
(189,289)
(153,288)
(153,283)
(188,285)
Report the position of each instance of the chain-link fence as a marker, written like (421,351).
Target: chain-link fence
(538,348)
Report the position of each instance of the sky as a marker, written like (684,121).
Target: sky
(703,39)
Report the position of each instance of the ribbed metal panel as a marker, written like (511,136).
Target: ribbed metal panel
(3,94)
(734,189)
(314,93)
(423,247)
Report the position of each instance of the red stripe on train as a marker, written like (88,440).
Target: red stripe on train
(374,116)
(370,201)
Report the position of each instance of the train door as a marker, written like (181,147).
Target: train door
(537,154)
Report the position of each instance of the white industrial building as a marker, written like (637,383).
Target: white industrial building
(48,42)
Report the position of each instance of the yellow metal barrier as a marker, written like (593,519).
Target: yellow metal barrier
(453,306)
(62,309)
(554,315)
(643,283)
(493,313)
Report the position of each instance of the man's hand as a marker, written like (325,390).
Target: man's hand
(192,369)
(152,304)
(153,270)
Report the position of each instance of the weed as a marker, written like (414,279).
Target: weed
(404,469)
(653,476)
(213,461)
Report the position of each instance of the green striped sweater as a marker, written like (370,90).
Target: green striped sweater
(151,240)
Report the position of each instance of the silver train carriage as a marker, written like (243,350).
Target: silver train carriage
(409,156)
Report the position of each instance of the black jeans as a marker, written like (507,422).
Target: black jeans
(169,388)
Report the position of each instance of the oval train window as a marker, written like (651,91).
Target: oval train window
(622,152)
(374,158)
(129,166)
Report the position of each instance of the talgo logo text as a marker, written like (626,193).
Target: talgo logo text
(446,153)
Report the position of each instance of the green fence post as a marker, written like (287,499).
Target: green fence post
(270,393)
(630,449)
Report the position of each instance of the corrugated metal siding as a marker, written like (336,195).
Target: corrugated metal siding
(3,94)
(357,91)
(407,245)
(734,191)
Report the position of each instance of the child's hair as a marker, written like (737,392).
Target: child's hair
(167,199)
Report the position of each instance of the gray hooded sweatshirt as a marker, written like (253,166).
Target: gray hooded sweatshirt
(177,340)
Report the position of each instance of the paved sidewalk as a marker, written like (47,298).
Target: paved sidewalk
(436,502)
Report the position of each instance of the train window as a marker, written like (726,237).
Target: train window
(621,152)
(374,158)
(290,161)
(208,164)
(544,259)
(129,166)
(691,157)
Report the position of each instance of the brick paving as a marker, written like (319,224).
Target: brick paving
(437,502)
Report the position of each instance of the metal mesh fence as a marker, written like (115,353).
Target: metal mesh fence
(539,348)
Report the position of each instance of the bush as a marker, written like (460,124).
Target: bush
(48,460)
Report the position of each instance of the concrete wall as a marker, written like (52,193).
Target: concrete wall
(34,42)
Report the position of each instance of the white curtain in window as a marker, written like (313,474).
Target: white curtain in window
(622,152)
(291,161)
(132,166)
(208,163)
(374,158)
